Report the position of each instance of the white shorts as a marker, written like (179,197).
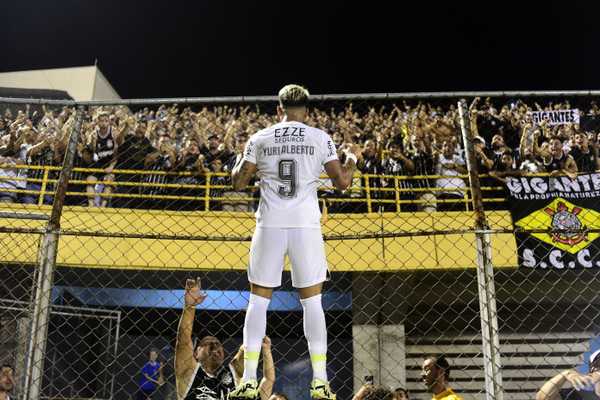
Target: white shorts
(304,247)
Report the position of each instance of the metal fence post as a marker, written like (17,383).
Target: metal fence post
(207,191)
(36,351)
(397,193)
(43,188)
(368,194)
(485,273)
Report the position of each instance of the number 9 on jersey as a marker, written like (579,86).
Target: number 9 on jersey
(287,175)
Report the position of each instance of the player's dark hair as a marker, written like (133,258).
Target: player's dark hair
(282,395)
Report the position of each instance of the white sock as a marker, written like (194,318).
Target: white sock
(315,332)
(255,329)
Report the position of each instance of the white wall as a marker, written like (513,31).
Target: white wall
(82,83)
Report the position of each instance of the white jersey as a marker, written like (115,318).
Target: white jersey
(289,157)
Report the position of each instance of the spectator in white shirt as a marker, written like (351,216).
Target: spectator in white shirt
(450,165)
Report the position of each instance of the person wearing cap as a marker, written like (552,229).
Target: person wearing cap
(212,152)
(583,386)
(484,162)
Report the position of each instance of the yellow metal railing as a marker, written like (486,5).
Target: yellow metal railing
(366,193)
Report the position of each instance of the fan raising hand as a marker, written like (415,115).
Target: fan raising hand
(193,293)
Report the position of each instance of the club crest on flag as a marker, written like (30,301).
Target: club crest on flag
(566,223)
(566,226)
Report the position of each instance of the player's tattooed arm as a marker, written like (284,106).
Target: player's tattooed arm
(342,175)
(242,173)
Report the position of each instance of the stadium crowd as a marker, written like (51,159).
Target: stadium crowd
(177,147)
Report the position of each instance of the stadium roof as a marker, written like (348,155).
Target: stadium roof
(81,83)
(34,93)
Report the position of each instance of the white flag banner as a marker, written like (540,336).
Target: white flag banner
(556,117)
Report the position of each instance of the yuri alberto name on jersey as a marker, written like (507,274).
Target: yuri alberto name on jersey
(288,149)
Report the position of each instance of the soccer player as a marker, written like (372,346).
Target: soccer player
(289,157)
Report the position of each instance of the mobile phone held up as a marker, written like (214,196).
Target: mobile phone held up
(369,379)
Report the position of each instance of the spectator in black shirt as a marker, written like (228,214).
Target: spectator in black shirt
(498,147)
(585,157)
(506,167)
(371,164)
(396,163)
(162,160)
(134,147)
(105,152)
(200,370)
(132,151)
(213,151)
(556,162)
(484,166)
(484,162)
(424,164)
(191,162)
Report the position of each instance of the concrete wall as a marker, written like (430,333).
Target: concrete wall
(82,83)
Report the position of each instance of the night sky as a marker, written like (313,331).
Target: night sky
(209,48)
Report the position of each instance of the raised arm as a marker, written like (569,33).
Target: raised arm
(523,141)
(36,149)
(551,389)
(341,175)
(184,348)
(122,129)
(570,167)
(268,381)
(236,365)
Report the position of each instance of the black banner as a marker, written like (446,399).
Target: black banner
(559,217)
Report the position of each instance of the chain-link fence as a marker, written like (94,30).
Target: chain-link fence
(107,210)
